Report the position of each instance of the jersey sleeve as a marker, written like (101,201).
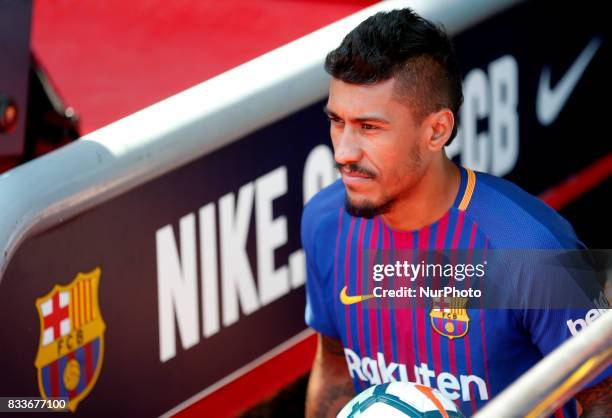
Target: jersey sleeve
(317,315)
(549,328)
(563,301)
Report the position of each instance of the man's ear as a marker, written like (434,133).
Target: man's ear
(439,128)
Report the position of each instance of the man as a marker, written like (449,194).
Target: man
(393,101)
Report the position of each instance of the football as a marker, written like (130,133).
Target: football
(400,400)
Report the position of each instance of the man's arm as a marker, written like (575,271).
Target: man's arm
(330,386)
(596,402)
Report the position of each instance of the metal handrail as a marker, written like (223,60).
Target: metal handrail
(559,376)
(51,189)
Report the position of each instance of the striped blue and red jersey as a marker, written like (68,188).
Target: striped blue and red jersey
(494,346)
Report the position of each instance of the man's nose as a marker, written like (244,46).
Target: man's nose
(347,149)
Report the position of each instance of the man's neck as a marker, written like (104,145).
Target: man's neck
(429,199)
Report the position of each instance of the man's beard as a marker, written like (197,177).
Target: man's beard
(367,209)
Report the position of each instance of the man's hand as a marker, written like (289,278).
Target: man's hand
(330,386)
(596,402)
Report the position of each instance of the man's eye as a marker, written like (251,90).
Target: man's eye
(334,119)
(368,127)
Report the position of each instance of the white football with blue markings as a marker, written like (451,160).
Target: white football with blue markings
(400,400)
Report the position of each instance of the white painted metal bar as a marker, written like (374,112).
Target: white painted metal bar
(47,191)
(562,373)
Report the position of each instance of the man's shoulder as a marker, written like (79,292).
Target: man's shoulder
(514,218)
(326,202)
(323,209)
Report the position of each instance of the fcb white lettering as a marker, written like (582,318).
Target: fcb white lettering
(490,97)
(504,120)
(376,371)
(475,108)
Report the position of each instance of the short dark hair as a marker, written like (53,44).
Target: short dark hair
(401,44)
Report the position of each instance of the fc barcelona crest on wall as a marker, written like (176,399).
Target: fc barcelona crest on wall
(71,345)
(449,317)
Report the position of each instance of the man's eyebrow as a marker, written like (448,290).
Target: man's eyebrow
(329,112)
(371,118)
(363,118)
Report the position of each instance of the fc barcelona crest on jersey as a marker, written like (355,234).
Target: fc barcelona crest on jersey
(71,345)
(449,317)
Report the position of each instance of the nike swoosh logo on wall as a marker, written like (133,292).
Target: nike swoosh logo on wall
(349,300)
(550,101)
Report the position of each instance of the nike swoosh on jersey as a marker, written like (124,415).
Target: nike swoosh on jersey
(349,300)
(550,101)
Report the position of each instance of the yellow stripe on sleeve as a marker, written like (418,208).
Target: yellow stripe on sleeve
(469,190)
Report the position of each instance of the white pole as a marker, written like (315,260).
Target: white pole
(557,377)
